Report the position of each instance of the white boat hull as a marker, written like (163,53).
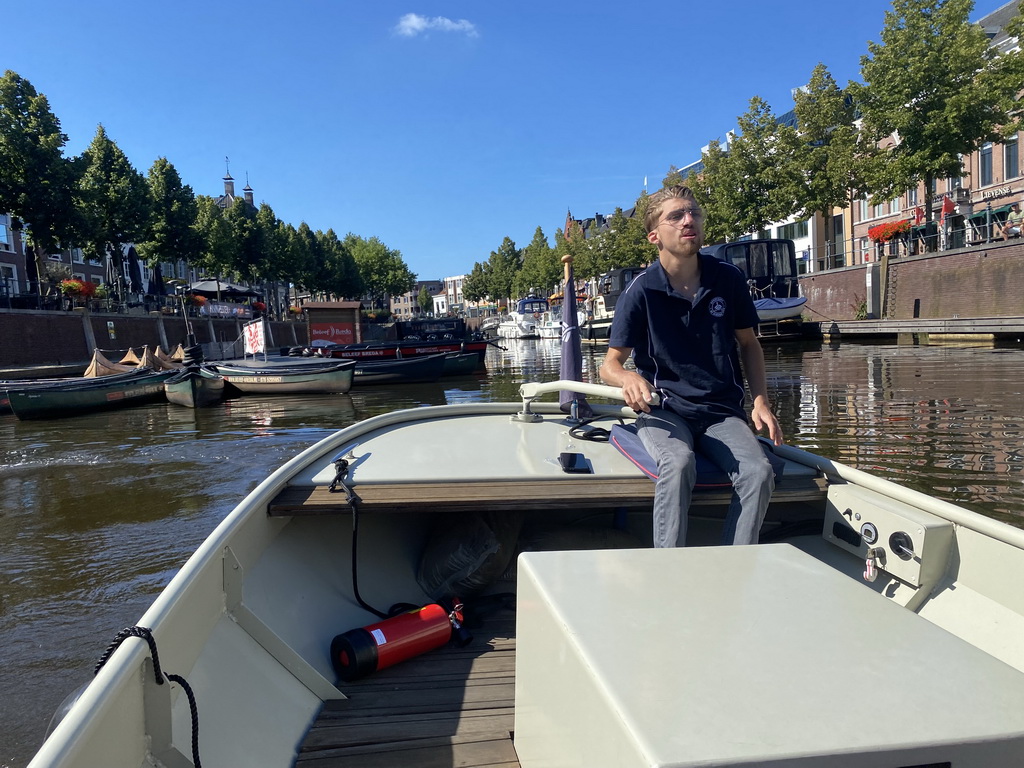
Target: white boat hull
(249,619)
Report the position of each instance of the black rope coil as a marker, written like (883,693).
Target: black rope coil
(146,634)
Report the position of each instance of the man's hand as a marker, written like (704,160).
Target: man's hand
(763,418)
(636,391)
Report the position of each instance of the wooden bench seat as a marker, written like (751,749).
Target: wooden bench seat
(595,493)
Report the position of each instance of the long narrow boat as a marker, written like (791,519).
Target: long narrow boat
(194,387)
(403,371)
(391,350)
(874,626)
(460,363)
(79,396)
(283,381)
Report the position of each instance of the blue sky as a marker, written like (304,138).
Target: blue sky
(439,127)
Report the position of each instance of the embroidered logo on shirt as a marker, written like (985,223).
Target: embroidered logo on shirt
(717,307)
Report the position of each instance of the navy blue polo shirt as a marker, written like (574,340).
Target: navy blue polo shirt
(688,352)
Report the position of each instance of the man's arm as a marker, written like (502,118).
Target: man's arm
(635,389)
(752,358)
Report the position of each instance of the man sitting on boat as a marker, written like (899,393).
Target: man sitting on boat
(687,322)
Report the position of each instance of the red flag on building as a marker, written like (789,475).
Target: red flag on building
(947,206)
(918,215)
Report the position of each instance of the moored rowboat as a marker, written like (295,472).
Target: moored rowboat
(670,649)
(79,396)
(194,387)
(404,371)
(281,380)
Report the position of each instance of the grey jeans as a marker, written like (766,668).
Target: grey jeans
(733,447)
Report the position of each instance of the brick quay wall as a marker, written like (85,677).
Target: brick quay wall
(39,338)
(983,281)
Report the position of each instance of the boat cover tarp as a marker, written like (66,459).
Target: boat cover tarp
(155,363)
(101,366)
(130,358)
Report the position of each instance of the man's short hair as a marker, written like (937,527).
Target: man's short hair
(657,201)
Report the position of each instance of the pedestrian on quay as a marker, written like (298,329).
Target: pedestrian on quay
(1012,227)
(688,322)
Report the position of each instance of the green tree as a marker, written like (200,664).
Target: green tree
(623,243)
(305,254)
(342,275)
(717,188)
(115,200)
(382,269)
(541,268)
(503,266)
(761,168)
(172,235)
(935,86)
(476,286)
(426,301)
(249,252)
(37,183)
(216,241)
(824,150)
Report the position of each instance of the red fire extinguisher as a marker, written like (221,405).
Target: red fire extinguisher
(359,652)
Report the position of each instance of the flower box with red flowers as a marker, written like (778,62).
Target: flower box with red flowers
(883,233)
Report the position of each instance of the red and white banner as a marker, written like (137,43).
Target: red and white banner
(253,335)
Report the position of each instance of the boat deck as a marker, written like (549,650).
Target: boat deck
(449,707)
(593,492)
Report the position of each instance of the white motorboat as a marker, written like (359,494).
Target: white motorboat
(874,626)
(525,320)
(551,326)
(772,309)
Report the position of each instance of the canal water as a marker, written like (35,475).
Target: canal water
(97,512)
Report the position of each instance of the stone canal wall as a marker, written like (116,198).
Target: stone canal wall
(971,282)
(31,338)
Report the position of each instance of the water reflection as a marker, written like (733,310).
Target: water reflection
(98,512)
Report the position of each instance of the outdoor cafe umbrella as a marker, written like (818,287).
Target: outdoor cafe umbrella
(210,288)
(134,271)
(156,282)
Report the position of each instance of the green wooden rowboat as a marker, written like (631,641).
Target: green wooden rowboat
(71,398)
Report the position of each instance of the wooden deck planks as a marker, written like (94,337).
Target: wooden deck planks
(595,493)
(449,707)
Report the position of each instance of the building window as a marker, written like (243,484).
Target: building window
(894,205)
(793,231)
(76,256)
(912,196)
(1011,163)
(5,239)
(985,165)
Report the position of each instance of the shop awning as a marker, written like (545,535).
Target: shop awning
(980,215)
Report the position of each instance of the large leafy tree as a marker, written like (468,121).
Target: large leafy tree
(306,257)
(761,167)
(172,235)
(382,269)
(36,181)
(541,268)
(216,240)
(115,201)
(935,86)
(343,278)
(623,243)
(476,285)
(824,151)
(504,264)
(717,188)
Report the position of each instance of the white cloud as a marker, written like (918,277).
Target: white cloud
(412,24)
